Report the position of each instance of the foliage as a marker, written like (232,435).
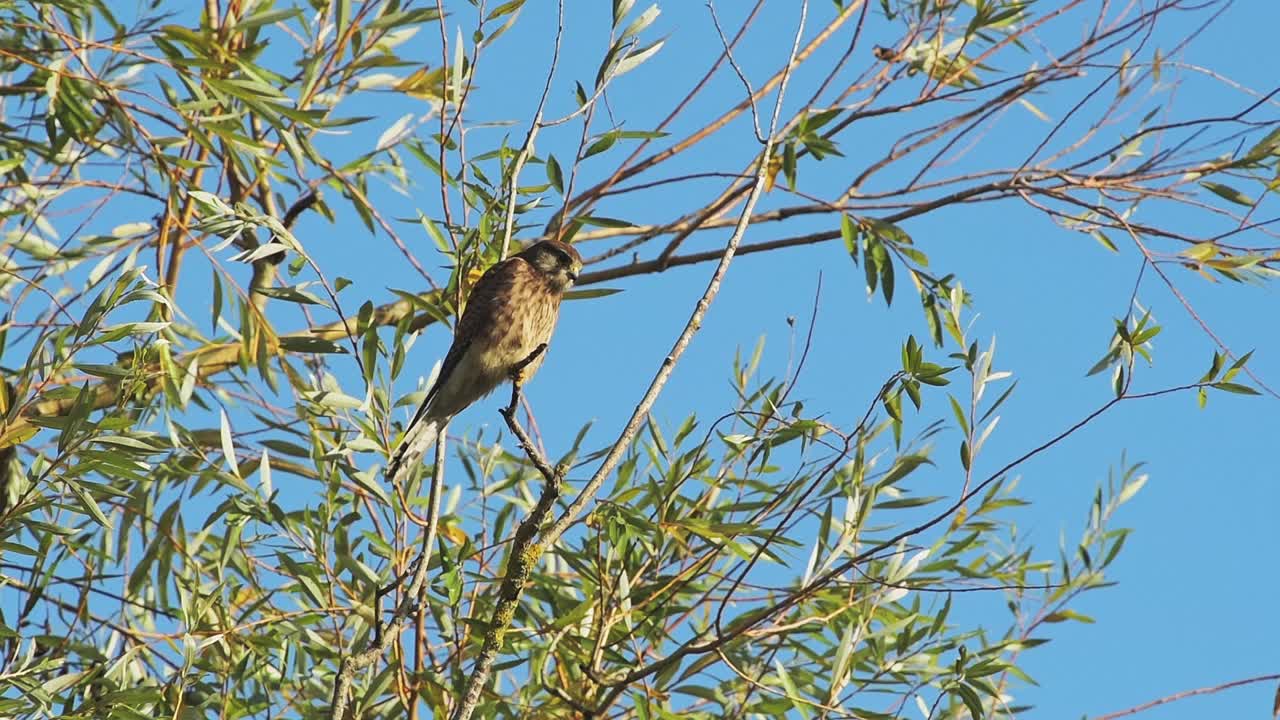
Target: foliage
(198,403)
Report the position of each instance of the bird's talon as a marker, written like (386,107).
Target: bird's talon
(519,373)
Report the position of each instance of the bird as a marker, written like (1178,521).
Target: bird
(503,333)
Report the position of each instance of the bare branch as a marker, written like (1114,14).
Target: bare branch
(527,148)
(1186,694)
(728,53)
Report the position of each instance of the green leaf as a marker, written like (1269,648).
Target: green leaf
(344,16)
(605,222)
(642,21)
(849,233)
(1235,388)
(1226,192)
(1237,366)
(293,343)
(793,694)
(266,18)
(789,169)
(886,280)
(293,294)
(592,293)
(904,466)
(228,448)
(264,474)
(554,174)
(871,264)
(1103,240)
(89,505)
(602,143)
(961,420)
(633,60)
(620,10)
(215,307)
(1067,614)
(970,699)
(505,8)
(908,502)
(1131,489)
(103,371)
(396,133)
(699,692)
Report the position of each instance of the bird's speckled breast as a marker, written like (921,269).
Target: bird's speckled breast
(525,322)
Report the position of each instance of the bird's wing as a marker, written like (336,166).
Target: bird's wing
(495,282)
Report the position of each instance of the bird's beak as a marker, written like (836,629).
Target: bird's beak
(573,275)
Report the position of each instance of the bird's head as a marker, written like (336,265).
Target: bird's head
(557,261)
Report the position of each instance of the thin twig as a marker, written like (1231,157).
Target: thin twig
(748,623)
(728,53)
(711,128)
(509,414)
(410,599)
(310,198)
(527,148)
(1186,694)
(641,412)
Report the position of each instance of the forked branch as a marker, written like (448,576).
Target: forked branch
(526,550)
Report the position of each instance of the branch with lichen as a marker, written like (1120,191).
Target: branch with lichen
(526,551)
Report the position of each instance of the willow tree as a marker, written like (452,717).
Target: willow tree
(199,404)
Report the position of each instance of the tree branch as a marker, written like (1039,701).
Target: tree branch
(1190,693)
(523,556)
(409,600)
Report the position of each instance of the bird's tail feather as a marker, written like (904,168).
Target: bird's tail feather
(418,439)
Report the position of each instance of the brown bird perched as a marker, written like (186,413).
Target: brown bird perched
(510,313)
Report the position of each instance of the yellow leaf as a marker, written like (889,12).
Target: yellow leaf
(453,533)
(244,596)
(1034,110)
(423,83)
(771,172)
(1201,251)
(18,432)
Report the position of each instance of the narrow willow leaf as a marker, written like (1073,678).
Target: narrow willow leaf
(620,10)
(849,233)
(1131,489)
(267,17)
(793,694)
(506,8)
(642,21)
(554,174)
(591,293)
(264,474)
(395,134)
(632,61)
(1226,192)
(228,449)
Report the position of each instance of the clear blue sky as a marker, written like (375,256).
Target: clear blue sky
(1195,601)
